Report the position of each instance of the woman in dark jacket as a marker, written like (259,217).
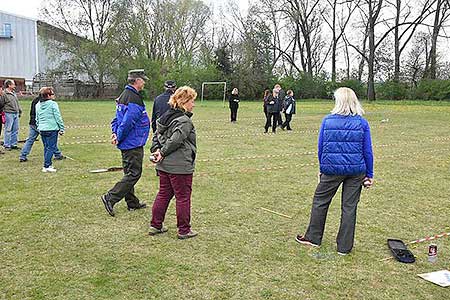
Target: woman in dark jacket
(289,110)
(345,157)
(234,104)
(174,150)
(273,111)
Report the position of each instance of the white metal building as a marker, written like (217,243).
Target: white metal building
(22,50)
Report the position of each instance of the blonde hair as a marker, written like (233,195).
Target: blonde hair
(235,91)
(182,96)
(346,103)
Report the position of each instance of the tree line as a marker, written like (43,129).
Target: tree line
(390,48)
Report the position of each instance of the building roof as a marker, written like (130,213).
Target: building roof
(17,16)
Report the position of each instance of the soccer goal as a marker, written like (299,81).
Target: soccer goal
(216,82)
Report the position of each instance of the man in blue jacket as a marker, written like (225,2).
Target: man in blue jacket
(130,130)
(161,104)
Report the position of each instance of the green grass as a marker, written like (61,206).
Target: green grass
(57,241)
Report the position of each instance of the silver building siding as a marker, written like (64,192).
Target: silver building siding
(18,55)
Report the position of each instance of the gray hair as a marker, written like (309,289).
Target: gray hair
(346,103)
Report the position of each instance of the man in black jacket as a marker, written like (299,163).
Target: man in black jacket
(161,104)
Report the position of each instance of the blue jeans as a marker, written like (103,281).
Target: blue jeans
(32,136)
(50,140)
(11,129)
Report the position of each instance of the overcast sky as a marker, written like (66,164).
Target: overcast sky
(30,8)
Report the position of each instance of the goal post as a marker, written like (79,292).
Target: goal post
(216,82)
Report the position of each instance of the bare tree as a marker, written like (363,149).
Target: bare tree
(90,46)
(403,34)
(441,15)
(337,20)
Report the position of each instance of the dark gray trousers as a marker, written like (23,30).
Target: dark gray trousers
(132,169)
(326,189)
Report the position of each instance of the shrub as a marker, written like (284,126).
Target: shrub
(432,90)
(392,90)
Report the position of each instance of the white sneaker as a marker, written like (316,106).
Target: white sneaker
(49,170)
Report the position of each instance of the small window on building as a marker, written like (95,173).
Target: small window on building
(6,31)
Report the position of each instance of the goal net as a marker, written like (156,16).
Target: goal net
(215,83)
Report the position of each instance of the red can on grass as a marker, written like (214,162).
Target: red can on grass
(432,253)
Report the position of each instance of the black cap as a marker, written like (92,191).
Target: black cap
(137,73)
(170,84)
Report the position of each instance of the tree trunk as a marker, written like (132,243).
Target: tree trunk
(431,74)
(397,43)
(371,60)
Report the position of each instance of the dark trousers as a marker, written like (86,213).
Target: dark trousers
(287,122)
(274,117)
(233,111)
(50,141)
(181,187)
(326,189)
(280,120)
(132,170)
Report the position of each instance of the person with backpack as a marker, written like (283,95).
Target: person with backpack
(289,110)
(345,158)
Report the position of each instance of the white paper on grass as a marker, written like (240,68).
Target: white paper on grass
(441,277)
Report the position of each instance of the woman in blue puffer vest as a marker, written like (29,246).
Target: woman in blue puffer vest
(345,157)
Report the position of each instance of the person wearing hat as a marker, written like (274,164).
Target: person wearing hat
(130,130)
(161,104)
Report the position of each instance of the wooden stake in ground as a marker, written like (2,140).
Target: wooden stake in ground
(277,213)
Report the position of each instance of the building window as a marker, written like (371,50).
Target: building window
(6,31)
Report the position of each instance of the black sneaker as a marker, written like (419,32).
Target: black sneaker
(301,239)
(23,159)
(15,148)
(140,206)
(108,205)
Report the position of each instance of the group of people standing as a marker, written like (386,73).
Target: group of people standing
(173,151)
(45,120)
(275,103)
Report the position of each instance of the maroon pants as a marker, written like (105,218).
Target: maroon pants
(181,187)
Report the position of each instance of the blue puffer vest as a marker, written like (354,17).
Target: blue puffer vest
(342,145)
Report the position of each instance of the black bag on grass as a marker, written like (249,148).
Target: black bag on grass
(400,252)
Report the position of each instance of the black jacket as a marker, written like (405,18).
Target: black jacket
(33,111)
(160,106)
(234,101)
(273,105)
(289,102)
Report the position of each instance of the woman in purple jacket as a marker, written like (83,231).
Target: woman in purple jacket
(345,157)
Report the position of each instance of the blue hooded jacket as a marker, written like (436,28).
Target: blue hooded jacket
(131,124)
(345,146)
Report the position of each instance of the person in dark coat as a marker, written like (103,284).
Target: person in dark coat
(266,98)
(161,104)
(345,157)
(174,150)
(273,111)
(289,110)
(130,131)
(281,96)
(234,104)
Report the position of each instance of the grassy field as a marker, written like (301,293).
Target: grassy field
(58,242)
